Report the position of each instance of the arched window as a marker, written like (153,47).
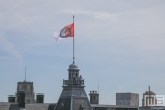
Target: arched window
(74,76)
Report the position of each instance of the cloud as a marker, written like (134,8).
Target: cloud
(71,11)
(15,13)
(106,16)
(18,3)
(9,48)
(94,14)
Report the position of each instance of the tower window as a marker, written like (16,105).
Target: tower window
(72,75)
(69,75)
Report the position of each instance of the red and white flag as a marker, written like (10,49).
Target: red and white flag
(67,31)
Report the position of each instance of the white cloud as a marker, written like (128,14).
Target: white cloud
(94,14)
(106,16)
(72,11)
(9,48)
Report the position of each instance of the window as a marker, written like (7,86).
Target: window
(72,75)
(69,75)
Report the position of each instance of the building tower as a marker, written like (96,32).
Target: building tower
(73,96)
(149,98)
(94,97)
(27,89)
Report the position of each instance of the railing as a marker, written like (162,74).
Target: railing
(11,95)
(40,93)
(73,82)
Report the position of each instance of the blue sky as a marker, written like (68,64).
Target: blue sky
(120,43)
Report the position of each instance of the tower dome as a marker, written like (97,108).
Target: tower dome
(73,66)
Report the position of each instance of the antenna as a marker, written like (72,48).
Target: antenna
(98,86)
(25,73)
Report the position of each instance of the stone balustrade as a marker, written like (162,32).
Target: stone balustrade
(73,82)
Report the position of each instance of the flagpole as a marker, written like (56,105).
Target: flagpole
(73,40)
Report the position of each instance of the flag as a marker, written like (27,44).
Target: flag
(67,31)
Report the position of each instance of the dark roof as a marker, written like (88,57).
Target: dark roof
(65,101)
(149,93)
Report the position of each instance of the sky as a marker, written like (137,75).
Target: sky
(119,45)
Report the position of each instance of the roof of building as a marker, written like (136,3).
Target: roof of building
(125,93)
(149,93)
(113,106)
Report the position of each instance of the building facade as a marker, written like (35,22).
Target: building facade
(94,97)
(113,107)
(128,99)
(26,88)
